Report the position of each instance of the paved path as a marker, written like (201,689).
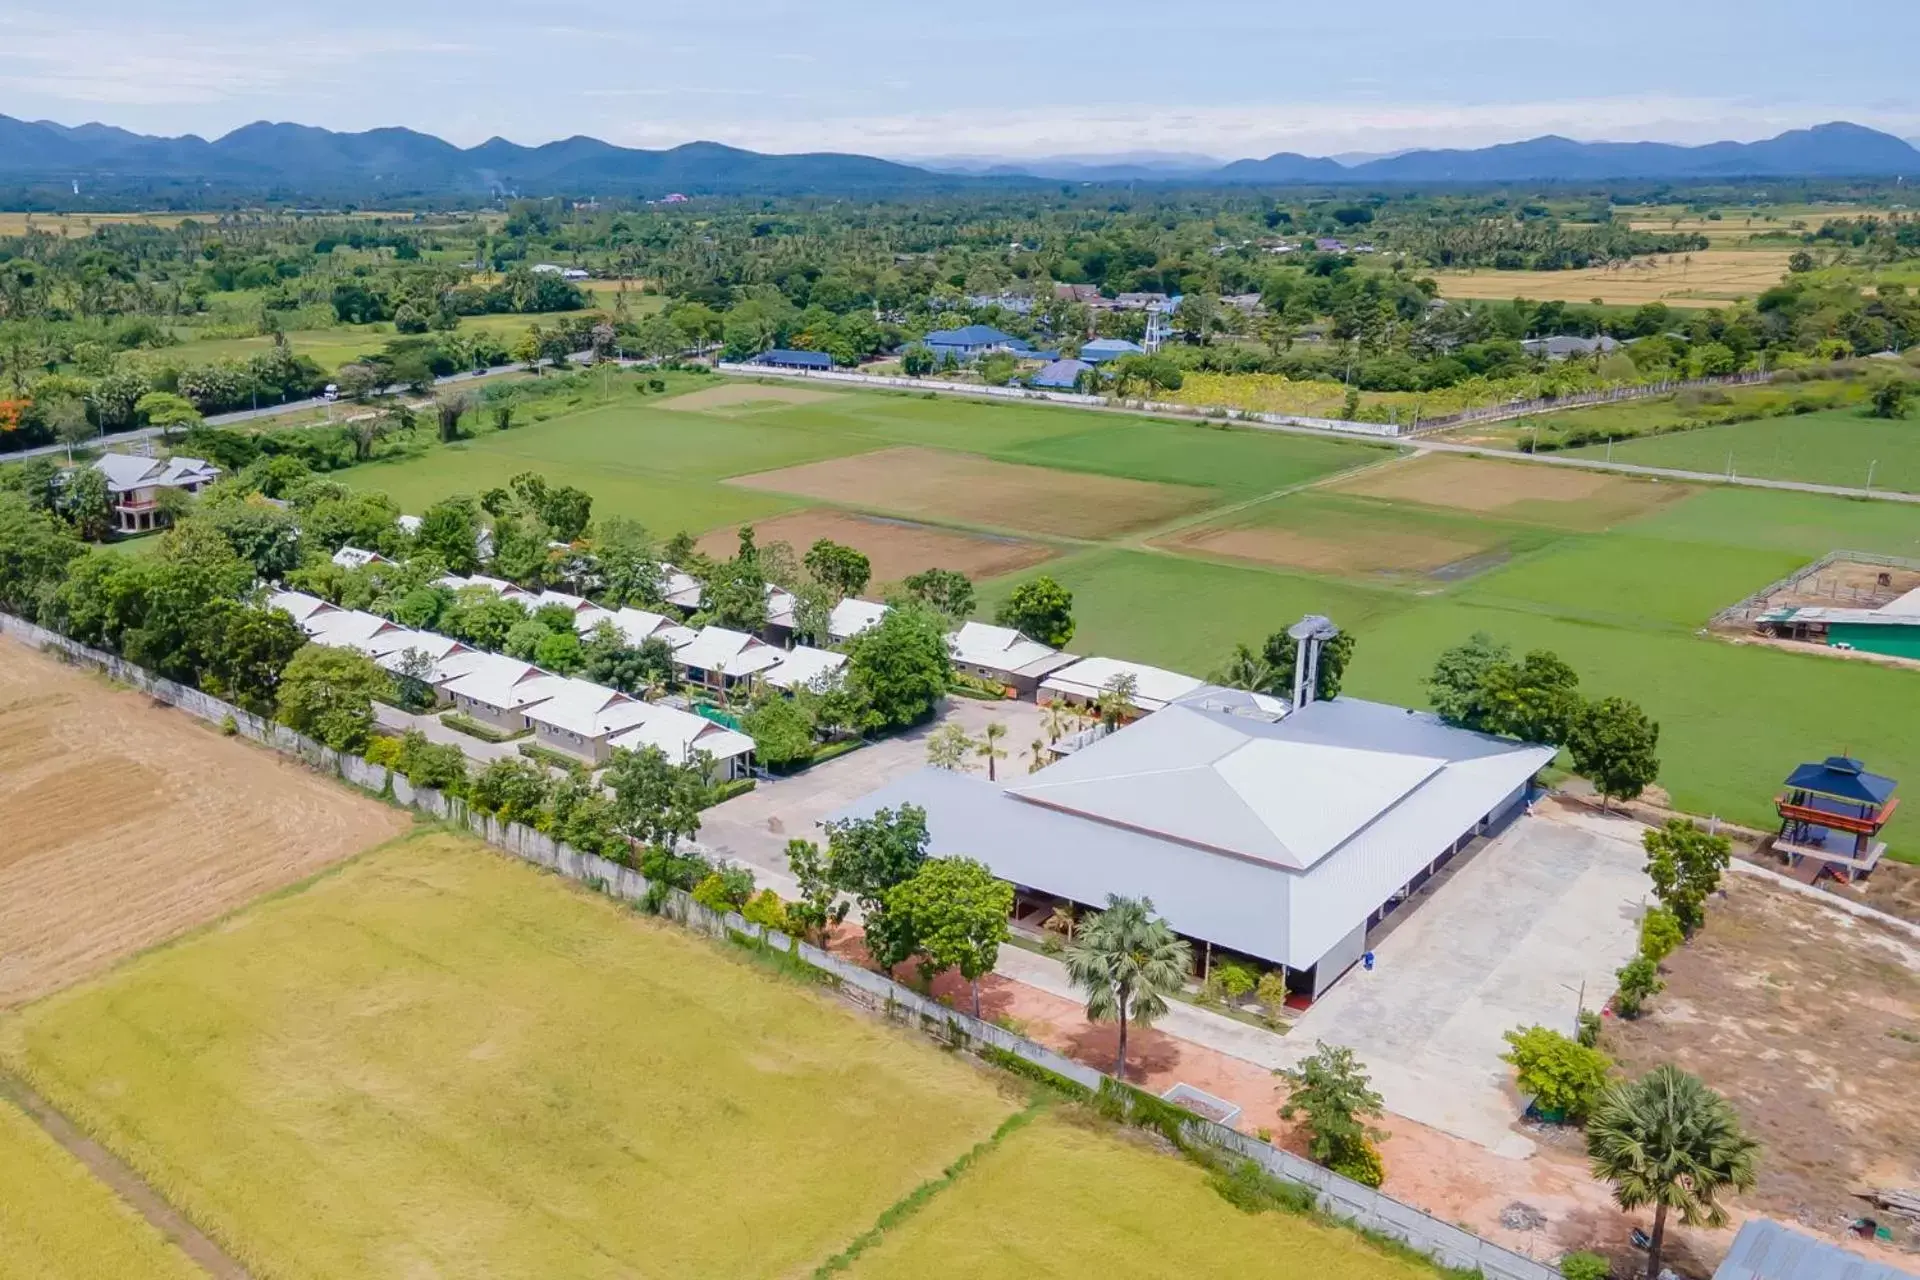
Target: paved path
(388,717)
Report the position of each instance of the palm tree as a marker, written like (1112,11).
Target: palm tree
(989,746)
(1036,756)
(1116,698)
(1127,962)
(1669,1141)
(1245,670)
(1058,718)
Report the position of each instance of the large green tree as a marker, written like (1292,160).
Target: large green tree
(655,802)
(956,913)
(1534,700)
(840,568)
(866,858)
(243,652)
(947,591)
(901,667)
(1457,686)
(1040,609)
(1332,1094)
(1128,962)
(1615,745)
(328,695)
(451,529)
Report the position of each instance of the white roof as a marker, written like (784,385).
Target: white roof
(588,709)
(300,605)
(1154,687)
(127,471)
(1001,649)
(1907,606)
(408,524)
(733,653)
(780,606)
(850,617)
(501,587)
(354,629)
(679,588)
(449,657)
(638,625)
(357,558)
(506,684)
(587,619)
(804,665)
(678,734)
(564,601)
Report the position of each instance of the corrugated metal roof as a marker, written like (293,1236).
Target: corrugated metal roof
(1766,1250)
(1153,687)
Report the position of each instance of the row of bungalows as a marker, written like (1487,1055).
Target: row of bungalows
(1035,670)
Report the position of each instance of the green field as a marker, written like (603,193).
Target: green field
(58,1223)
(1064,1199)
(1836,447)
(439,1061)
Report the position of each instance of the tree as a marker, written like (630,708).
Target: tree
(840,568)
(243,652)
(559,652)
(1534,700)
(1562,1076)
(1457,687)
(948,747)
(448,412)
(1115,700)
(1890,398)
(87,504)
(1245,670)
(328,694)
(735,595)
(901,666)
(451,530)
(1040,609)
(1334,1095)
(1613,745)
(1639,980)
(627,563)
(35,552)
(167,411)
(1660,934)
(781,730)
(917,361)
(1059,718)
(945,590)
(866,857)
(820,906)
(1669,1141)
(957,915)
(68,418)
(989,748)
(1684,864)
(1127,962)
(655,803)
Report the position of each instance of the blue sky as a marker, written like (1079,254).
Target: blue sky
(1224,77)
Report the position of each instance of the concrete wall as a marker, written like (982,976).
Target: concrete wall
(1338,1196)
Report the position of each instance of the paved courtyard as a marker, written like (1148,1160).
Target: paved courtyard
(1510,938)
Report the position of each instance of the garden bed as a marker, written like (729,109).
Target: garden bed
(474,729)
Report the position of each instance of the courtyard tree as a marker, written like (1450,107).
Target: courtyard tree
(1247,670)
(839,568)
(1040,609)
(956,913)
(1115,699)
(86,503)
(1534,700)
(1613,744)
(989,749)
(947,590)
(901,667)
(450,529)
(820,905)
(655,803)
(1128,962)
(1669,1141)
(328,694)
(866,858)
(626,564)
(1562,1076)
(1332,1094)
(781,730)
(1685,864)
(948,747)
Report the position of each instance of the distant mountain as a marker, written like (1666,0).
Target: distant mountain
(1125,166)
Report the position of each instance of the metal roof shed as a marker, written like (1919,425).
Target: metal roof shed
(1765,1250)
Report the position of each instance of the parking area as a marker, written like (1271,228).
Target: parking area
(1518,934)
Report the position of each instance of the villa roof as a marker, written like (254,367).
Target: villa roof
(1844,778)
(852,616)
(128,471)
(1153,687)
(588,709)
(733,653)
(1004,649)
(678,734)
(803,665)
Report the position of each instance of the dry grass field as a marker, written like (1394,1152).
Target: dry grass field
(79,224)
(745,395)
(1709,278)
(1559,496)
(1362,551)
(897,548)
(935,484)
(128,823)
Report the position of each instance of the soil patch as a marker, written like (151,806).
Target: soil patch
(897,548)
(1809,1021)
(744,395)
(1377,551)
(129,823)
(1537,492)
(973,490)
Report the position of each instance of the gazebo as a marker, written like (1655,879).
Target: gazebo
(1831,814)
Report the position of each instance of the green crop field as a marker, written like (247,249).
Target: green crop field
(440,1061)
(1836,447)
(58,1223)
(1063,1199)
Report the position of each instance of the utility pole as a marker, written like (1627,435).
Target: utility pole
(1870,467)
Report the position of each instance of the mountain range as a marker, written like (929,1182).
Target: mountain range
(291,160)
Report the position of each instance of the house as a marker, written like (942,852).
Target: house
(1003,654)
(1284,840)
(1767,1250)
(134,485)
(369,633)
(586,614)
(1081,684)
(1893,629)
(299,605)
(721,660)
(637,626)
(498,586)
(681,735)
(972,341)
(680,589)
(1081,293)
(432,660)
(1138,301)
(781,605)
(1101,350)
(500,690)
(409,525)
(1564,346)
(356,558)
(579,717)
(851,616)
(806,667)
(1061,375)
(782,358)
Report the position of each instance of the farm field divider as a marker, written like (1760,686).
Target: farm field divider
(1361,1206)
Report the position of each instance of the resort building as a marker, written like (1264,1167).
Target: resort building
(1004,655)
(579,717)
(680,736)
(135,483)
(851,616)
(723,660)
(1081,684)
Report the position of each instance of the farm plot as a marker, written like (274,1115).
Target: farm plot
(128,823)
(1809,1021)
(1705,279)
(965,489)
(1531,492)
(1062,1197)
(744,395)
(439,1061)
(897,548)
(1837,447)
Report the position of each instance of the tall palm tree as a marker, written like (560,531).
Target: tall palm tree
(1669,1141)
(1036,756)
(989,746)
(1127,962)
(1246,669)
(1059,718)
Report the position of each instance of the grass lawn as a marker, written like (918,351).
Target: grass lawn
(1834,447)
(439,1061)
(58,1223)
(1237,463)
(1062,1197)
(336,345)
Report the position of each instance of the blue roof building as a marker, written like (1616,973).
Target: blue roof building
(1101,350)
(782,358)
(1830,818)
(1061,374)
(973,340)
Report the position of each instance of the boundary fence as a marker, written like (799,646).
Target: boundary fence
(1755,604)
(1580,400)
(1362,1206)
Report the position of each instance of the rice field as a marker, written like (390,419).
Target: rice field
(1708,278)
(1838,447)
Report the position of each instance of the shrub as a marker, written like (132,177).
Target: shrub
(674,870)
(766,910)
(1639,980)
(1236,980)
(1589,1033)
(1362,1164)
(1660,934)
(1246,1186)
(229,726)
(1563,1076)
(1271,992)
(1585,1266)
(724,889)
(384,752)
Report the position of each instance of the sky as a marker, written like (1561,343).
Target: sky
(1227,78)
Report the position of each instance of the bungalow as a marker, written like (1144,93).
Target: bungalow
(780,615)
(299,605)
(805,667)
(357,558)
(369,633)
(1565,346)
(500,690)
(579,717)
(134,484)
(782,358)
(586,614)
(1002,654)
(432,660)
(720,660)
(1081,683)
(850,617)
(680,735)
(498,586)
(637,626)
(1062,375)
(679,588)
(972,341)
(1101,350)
